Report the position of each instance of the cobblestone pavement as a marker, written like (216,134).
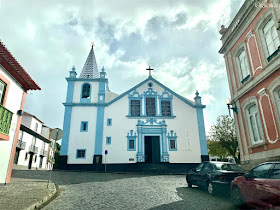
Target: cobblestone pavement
(23,193)
(87,190)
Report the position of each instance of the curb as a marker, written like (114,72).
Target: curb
(41,203)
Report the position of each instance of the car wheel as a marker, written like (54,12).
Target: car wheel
(210,188)
(189,183)
(236,197)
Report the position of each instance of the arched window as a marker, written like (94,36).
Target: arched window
(86,91)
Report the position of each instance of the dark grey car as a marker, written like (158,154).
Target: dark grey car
(214,176)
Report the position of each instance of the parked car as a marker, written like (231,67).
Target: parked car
(260,187)
(214,175)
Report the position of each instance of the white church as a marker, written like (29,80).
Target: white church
(147,125)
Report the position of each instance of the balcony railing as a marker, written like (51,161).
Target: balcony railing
(5,120)
(33,149)
(21,144)
(43,153)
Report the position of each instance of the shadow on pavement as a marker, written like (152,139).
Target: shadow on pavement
(197,198)
(72,177)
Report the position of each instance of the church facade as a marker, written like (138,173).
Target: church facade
(149,123)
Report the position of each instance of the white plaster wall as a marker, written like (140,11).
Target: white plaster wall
(13,103)
(185,125)
(93,91)
(39,143)
(110,96)
(26,120)
(33,123)
(82,140)
(45,132)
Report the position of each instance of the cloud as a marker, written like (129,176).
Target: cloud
(179,39)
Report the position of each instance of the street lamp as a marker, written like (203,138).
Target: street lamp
(228,102)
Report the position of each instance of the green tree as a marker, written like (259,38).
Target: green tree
(224,133)
(216,149)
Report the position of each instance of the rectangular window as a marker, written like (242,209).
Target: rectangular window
(271,37)
(172,144)
(244,66)
(255,124)
(36,127)
(20,134)
(135,107)
(151,106)
(84,126)
(131,144)
(109,122)
(165,108)
(43,145)
(81,153)
(108,140)
(2,91)
(33,141)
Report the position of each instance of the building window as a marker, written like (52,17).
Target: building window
(271,37)
(2,91)
(109,122)
(165,108)
(81,153)
(135,104)
(243,66)
(84,126)
(86,91)
(150,106)
(131,144)
(135,107)
(26,155)
(36,127)
(35,159)
(172,144)
(131,139)
(20,135)
(108,140)
(255,125)
(33,141)
(172,139)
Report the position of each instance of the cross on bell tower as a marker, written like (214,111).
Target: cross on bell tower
(150,69)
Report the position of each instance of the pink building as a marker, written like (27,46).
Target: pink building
(250,46)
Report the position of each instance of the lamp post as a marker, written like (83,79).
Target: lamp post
(229,105)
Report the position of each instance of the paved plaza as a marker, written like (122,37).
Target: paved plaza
(88,190)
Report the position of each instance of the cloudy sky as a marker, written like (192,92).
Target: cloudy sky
(179,39)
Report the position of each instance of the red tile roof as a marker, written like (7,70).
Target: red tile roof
(8,61)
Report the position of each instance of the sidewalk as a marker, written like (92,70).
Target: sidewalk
(25,193)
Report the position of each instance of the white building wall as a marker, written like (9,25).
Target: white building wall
(82,140)
(13,103)
(26,120)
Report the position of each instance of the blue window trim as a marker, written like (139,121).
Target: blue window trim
(172,136)
(81,157)
(82,126)
(150,94)
(110,139)
(134,96)
(131,136)
(109,122)
(85,100)
(165,96)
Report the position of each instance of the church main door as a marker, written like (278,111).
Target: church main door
(152,149)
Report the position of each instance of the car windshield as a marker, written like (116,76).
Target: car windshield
(227,167)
